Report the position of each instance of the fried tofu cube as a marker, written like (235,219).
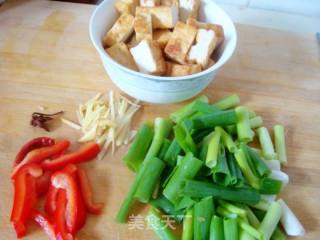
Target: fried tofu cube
(132,41)
(121,54)
(180,42)
(150,3)
(143,27)
(218,29)
(188,8)
(148,57)
(120,31)
(177,70)
(211,62)
(201,51)
(163,17)
(169,2)
(126,6)
(162,36)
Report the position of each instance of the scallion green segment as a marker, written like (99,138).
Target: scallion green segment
(213,150)
(159,227)
(280,143)
(270,220)
(266,143)
(162,128)
(245,134)
(243,235)
(249,229)
(278,234)
(187,110)
(270,186)
(183,136)
(201,189)
(203,211)
(221,173)
(256,122)
(253,220)
(139,147)
(226,140)
(235,172)
(164,148)
(167,207)
(152,174)
(260,166)
(227,102)
(246,170)
(230,227)
(172,153)
(188,169)
(233,208)
(216,228)
(222,118)
(187,228)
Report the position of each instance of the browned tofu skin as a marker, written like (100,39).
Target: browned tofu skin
(178,70)
(121,54)
(162,36)
(218,29)
(126,6)
(170,2)
(120,31)
(143,27)
(180,42)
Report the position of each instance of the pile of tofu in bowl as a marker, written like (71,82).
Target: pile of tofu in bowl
(162,51)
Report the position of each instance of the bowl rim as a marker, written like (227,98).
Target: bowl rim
(157,78)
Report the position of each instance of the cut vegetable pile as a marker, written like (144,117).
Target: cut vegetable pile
(43,168)
(200,168)
(105,120)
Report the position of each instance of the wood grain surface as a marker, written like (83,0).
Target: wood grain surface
(47,59)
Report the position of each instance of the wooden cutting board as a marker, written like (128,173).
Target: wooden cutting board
(47,59)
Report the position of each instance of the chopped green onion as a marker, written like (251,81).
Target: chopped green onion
(249,229)
(283,177)
(159,227)
(162,128)
(226,140)
(261,205)
(270,186)
(230,227)
(233,208)
(225,213)
(204,108)
(185,203)
(183,136)
(167,207)
(216,228)
(261,167)
(152,172)
(235,172)
(139,147)
(186,170)
(172,153)
(187,110)
(203,189)
(187,228)
(266,143)
(270,220)
(221,173)
(203,212)
(222,118)
(227,102)
(245,168)
(280,143)
(164,148)
(213,149)
(243,235)
(199,135)
(256,122)
(253,220)
(245,134)
(278,235)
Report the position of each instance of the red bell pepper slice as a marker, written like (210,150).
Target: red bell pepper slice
(24,196)
(67,182)
(86,191)
(40,154)
(51,200)
(31,145)
(43,183)
(61,230)
(88,152)
(45,223)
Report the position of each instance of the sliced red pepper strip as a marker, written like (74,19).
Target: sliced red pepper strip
(40,154)
(88,152)
(44,223)
(31,145)
(86,191)
(51,199)
(65,181)
(24,196)
(61,230)
(43,183)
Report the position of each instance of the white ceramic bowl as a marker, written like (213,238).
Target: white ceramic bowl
(156,89)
